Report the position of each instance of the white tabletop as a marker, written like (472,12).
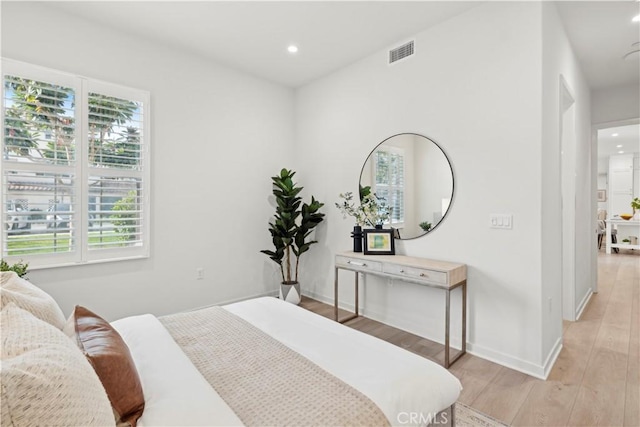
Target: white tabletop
(632,221)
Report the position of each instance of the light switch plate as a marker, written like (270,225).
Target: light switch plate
(503,221)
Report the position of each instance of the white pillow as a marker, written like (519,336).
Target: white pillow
(46,380)
(30,298)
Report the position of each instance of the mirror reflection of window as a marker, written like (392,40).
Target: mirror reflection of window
(389,183)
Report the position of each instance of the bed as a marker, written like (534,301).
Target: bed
(265,362)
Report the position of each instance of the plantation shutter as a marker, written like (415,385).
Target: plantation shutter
(396,183)
(389,182)
(39,165)
(74,167)
(116,161)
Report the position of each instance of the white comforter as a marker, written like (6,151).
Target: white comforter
(403,385)
(175,392)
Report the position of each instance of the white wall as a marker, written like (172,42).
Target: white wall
(474,86)
(559,62)
(603,178)
(636,175)
(217,138)
(615,104)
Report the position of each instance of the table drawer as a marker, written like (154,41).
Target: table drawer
(416,273)
(358,264)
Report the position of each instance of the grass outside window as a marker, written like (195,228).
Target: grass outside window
(27,244)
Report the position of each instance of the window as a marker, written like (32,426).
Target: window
(389,182)
(75,168)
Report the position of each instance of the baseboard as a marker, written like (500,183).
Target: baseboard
(380,317)
(583,304)
(506,360)
(552,357)
(322,298)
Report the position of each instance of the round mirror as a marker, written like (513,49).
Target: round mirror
(411,174)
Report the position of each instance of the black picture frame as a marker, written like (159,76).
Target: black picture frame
(379,242)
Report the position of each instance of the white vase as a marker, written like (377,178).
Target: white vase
(290,292)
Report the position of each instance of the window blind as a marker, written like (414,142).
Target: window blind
(75,168)
(39,121)
(389,184)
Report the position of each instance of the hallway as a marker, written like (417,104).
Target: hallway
(596,379)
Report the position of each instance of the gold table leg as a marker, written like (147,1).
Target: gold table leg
(448,361)
(335,299)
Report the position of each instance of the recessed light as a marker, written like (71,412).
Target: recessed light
(636,18)
(292,48)
(620,152)
(615,134)
(619,146)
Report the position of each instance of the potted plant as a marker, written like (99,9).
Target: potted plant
(20,268)
(635,205)
(372,211)
(292,224)
(425,225)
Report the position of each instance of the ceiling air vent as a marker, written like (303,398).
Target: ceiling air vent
(401,52)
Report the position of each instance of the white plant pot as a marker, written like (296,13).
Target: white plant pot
(290,292)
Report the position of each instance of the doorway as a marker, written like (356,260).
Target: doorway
(618,170)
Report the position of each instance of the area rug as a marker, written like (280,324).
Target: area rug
(469,417)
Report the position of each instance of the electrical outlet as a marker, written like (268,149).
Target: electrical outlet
(199,273)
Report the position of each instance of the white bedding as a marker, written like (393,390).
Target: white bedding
(399,382)
(175,392)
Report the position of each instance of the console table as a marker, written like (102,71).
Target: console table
(435,274)
(621,224)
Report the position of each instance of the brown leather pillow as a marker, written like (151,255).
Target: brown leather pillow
(111,359)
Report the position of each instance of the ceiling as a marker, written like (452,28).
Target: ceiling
(253,36)
(601,33)
(617,139)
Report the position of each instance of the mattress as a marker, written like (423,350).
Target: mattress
(407,388)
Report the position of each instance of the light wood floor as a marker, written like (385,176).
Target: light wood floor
(595,381)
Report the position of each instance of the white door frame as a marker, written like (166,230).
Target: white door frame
(568,146)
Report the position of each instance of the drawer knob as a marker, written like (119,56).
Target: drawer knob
(424,275)
(401,271)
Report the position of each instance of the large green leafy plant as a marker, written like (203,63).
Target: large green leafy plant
(292,224)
